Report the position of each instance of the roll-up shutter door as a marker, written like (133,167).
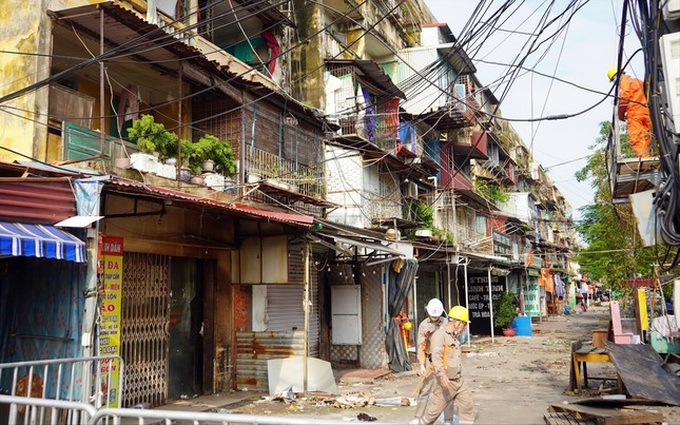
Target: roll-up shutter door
(285,313)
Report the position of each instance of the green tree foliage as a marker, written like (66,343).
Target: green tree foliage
(491,190)
(613,252)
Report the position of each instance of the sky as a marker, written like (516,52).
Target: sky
(581,54)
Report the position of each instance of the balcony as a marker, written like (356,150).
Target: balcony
(82,145)
(285,178)
(471,144)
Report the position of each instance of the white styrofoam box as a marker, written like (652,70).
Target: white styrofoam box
(214,181)
(166,170)
(670,59)
(144,162)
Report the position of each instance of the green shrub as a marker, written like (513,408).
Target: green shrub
(152,137)
(209,147)
(505,310)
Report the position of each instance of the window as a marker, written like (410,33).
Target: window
(481,224)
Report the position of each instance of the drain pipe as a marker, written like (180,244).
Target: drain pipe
(490,305)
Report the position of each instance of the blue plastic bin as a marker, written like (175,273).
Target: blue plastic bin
(522,326)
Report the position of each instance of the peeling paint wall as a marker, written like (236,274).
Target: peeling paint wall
(310,69)
(25,29)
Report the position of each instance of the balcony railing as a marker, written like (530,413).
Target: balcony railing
(383,134)
(291,175)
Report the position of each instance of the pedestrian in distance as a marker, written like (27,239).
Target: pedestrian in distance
(448,385)
(434,320)
(634,110)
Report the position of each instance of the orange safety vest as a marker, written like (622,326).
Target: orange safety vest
(632,95)
(633,102)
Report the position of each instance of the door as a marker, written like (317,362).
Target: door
(185,378)
(144,336)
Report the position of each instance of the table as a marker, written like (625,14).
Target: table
(589,354)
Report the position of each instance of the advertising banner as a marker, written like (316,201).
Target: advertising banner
(110,293)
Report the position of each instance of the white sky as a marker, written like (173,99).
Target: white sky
(581,55)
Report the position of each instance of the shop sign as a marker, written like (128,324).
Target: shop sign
(110,293)
(532,304)
(502,244)
(478,301)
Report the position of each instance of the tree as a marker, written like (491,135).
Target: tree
(614,252)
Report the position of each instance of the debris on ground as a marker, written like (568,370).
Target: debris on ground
(586,415)
(286,396)
(355,400)
(363,417)
(395,401)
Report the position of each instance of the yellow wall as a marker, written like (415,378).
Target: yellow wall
(25,28)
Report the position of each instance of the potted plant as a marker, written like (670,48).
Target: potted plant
(505,312)
(153,138)
(209,147)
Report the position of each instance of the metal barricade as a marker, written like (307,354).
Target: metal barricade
(177,417)
(92,381)
(79,413)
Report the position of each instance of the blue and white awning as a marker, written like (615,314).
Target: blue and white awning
(40,241)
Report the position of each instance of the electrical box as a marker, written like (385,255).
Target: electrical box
(671,10)
(346,314)
(670,59)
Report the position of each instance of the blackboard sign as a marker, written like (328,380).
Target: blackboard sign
(478,299)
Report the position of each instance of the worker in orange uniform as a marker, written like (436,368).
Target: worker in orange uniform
(434,320)
(450,387)
(634,110)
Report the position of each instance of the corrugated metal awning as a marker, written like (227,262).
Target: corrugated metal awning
(236,208)
(40,241)
(36,199)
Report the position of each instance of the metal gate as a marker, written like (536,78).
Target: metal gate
(145,336)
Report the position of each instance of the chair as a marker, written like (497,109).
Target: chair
(617,335)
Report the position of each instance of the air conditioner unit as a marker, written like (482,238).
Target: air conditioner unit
(670,59)
(410,189)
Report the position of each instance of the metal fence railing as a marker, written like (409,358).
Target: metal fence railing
(32,410)
(83,413)
(91,381)
(141,417)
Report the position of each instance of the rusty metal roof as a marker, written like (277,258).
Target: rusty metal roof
(51,199)
(44,200)
(236,208)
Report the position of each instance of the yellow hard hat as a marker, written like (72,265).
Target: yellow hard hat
(459,312)
(408,326)
(611,72)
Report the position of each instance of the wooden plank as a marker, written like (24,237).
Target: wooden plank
(562,418)
(639,366)
(609,416)
(575,346)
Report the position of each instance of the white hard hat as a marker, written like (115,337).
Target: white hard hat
(434,307)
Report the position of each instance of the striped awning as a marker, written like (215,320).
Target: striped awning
(40,241)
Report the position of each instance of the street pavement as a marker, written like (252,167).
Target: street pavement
(513,379)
